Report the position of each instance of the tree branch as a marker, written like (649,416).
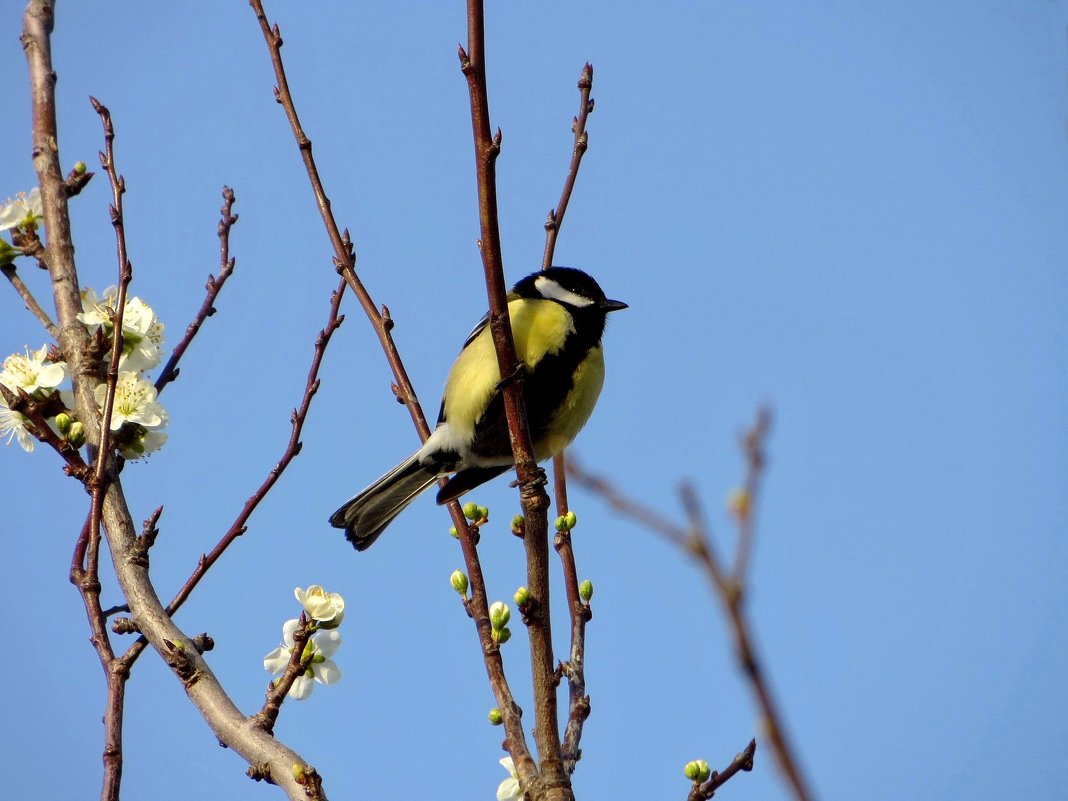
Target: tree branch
(214,286)
(728,584)
(32,305)
(551,781)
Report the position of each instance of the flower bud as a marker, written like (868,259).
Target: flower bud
(697,771)
(571,519)
(458,579)
(501,636)
(499,615)
(738,502)
(495,717)
(454,533)
(80,168)
(76,434)
(586,590)
(483,513)
(63,421)
(298,772)
(522,597)
(471,511)
(518,524)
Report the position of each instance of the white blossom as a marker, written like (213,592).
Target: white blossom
(31,372)
(13,425)
(322,670)
(142,331)
(325,608)
(22,212)
(135,402)
(509,789)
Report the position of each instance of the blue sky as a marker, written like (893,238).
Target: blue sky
(852,212)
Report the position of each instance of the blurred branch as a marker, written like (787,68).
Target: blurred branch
(32,305)
(696,541)
(214,286)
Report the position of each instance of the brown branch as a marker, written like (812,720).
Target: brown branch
(32,305)
(103,466)
(382,323)
(226,266)
(574,670)
(742,762)
(293,447)
(279,688)
(697,542)
(753,448)
(578,128)
(551,780)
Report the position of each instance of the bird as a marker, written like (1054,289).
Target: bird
(558,317)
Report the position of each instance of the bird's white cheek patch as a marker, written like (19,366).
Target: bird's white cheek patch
(548,288)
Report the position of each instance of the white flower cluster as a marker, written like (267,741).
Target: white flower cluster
(22,214)
(137,418)
(35,375)
(325,610)
(135,396)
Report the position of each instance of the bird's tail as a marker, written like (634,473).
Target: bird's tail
(366,516)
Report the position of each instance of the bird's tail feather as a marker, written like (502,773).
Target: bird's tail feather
(366,516)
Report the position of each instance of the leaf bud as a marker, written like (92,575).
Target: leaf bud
(586,590)
(63,421)
(522,597)
(458,579)
(499,615)
(697,771)
(495,717)
(76,434)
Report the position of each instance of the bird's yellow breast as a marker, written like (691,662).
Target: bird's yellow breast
(539,328)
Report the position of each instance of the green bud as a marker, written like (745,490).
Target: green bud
(483,513)
(459,582)
(501,636)
(499,615)
(453,533)
(80,168)
(571,519)
(471,511)
(76,434)
(522,597)
(518,524)
(7,253)
(298,772)
(63,421)
(495,717)
(318,659)
(697,771)
(586,590)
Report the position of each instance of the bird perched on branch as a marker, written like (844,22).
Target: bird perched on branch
(557,316)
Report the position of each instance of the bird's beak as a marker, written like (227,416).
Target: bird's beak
(612,305)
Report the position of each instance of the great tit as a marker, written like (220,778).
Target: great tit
(557,317)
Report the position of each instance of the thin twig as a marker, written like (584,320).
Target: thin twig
(578,128)
(103,453)
(574,670)
(279,688)
(753,448)
(728,584)
(293,447)
(226,266)
(742,762)
(32,305)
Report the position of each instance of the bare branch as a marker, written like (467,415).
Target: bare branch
(742,762)
(551,779)
(226,267)
(383,324)
(697,542)
(578,128)
(32,305)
